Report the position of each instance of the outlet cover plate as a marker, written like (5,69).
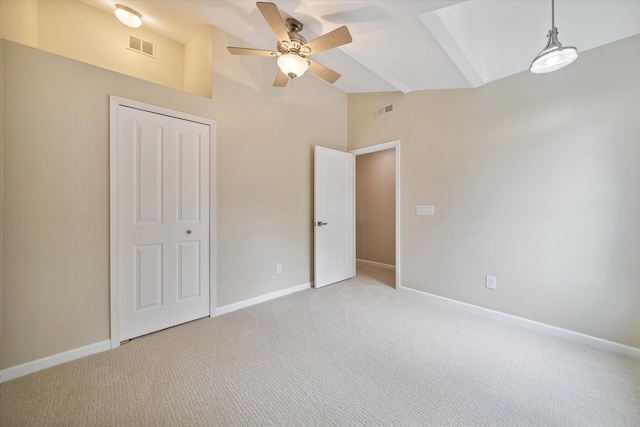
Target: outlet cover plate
(490,282)
(425,210)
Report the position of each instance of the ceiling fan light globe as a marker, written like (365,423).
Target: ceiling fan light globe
(128,16)
(293,65)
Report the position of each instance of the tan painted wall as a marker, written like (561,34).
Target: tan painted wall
(198,63)
(376,207)
(56,187)
(266,138)
(56,198)
(84,33)
(19,21)
(535,180)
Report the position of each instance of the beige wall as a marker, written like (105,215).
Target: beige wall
(56,188)
(198,63)
(84,33)
(76,30)
(19,21)
(535,180)
(266,137)
(376,207)
(56,198)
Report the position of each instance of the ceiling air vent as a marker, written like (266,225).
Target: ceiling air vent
(141,46)
(384,110)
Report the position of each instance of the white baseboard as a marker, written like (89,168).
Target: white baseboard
(257,300)
(56,359)
(377,264)
(68,356)
(577,337)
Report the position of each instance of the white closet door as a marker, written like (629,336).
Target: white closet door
(189,216)
(163,227)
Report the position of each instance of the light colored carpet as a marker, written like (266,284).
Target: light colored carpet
(354,353)
(377,274)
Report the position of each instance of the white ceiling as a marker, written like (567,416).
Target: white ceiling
(407,45)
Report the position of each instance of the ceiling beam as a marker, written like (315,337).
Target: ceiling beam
(441,33)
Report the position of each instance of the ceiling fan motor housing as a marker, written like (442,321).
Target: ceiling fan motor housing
(297,40)
(293,25)
(293,49)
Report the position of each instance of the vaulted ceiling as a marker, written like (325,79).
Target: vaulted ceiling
(408,45)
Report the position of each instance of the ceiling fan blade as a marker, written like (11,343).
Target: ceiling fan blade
(281,80)
(335,38)
(323,72)
(252,52)
(274,19)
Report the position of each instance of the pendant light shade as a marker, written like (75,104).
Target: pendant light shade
(554,56)
(292,65)
(128,16)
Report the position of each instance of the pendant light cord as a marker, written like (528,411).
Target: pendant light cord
(553,23)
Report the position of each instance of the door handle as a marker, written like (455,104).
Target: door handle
(320,223)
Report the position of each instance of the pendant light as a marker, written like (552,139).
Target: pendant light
(554,56)
(128,16)
(292,65)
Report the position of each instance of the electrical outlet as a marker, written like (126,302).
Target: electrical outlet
(490,282)
(278,268)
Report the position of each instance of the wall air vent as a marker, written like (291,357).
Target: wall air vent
(384,110)
(141,46)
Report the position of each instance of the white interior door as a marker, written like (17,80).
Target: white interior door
(163,221)
(334,235)
(189,200)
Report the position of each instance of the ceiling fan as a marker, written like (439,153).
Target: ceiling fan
(293,49)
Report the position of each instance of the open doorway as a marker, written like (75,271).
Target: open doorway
(378,212)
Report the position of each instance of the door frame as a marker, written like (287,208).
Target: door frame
(382,147)
(116,102)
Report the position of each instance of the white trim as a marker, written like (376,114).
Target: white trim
(376,264)
(113,223)
(56,359)
(213,220)
(1,195)
(567,334)
(257,300)
(115,102)
(374,148)
(381,147)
